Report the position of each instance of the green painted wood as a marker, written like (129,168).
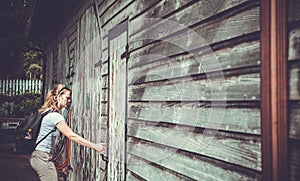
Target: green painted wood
(293,82)
(187,89)
(104,6)
(123,9)
(196,167)
(293,17)
(105,65)
(294,121)
(85,53)
(104,94)
(166,80)
(238,149)
(132,177)
(117,105)
(294,44)
(203,115)
(232,27)
(151,172)
(241,55)
(192,13)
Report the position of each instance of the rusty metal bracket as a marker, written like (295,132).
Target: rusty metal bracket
(126,54)
(99,63)
(104,158)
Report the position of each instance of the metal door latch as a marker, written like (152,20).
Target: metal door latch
(126,54)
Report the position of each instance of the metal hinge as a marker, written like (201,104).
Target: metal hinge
(126,54)
(99,64)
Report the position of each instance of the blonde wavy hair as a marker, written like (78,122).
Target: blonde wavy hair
(51,97)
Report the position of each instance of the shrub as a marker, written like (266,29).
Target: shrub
(19,105)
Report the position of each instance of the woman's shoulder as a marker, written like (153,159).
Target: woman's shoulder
(54,117)
(54,114)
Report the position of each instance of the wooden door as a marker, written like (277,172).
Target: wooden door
(117,41)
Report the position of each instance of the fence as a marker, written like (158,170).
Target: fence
(17,87)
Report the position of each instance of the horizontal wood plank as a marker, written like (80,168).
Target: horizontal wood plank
(190,13)
(104,83)
(293,81)
(294,120)
(244,87)
(156,173)
(196,167)
(104,95)
(104,6)
(294,44)
(241,55)
(116,13)
(133,177)
(104,108)
(104,70)
(233,26)
(73,33)
(104,44)
(243,151)
(133,6)
(204,115)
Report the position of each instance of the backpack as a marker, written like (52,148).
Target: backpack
(28,131)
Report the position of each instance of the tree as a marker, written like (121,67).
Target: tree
(31,60)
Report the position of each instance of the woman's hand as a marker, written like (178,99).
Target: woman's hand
(100,147)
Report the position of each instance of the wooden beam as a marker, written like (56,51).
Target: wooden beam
(274,90)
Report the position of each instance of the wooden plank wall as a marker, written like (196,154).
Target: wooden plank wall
(293,27)
(159,102)
(170,98)
(117,104)
(72,60)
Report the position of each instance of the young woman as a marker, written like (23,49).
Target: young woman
(57,99)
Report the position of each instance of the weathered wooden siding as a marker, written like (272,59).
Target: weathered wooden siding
(118,103)
(170,104)
(74,60)
(179,127)
(293,27)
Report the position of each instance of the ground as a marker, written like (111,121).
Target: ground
(13,166)
(16,168)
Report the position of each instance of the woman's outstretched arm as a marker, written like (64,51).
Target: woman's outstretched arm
(67,131)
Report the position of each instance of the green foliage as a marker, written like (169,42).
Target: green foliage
(19,105)
(31,60)
(34,71)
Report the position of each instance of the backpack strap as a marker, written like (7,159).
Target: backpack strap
(43,115)
(45,137)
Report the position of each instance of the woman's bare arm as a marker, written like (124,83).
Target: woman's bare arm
(67,131)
